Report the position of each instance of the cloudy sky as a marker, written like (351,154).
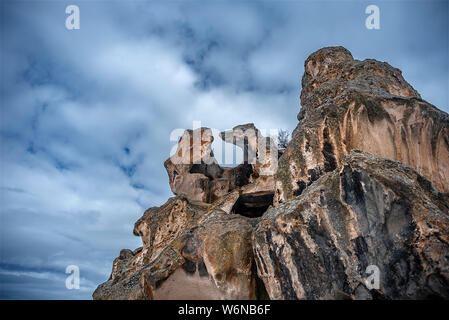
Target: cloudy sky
(86,115)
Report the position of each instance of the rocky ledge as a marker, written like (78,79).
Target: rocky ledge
(361,190)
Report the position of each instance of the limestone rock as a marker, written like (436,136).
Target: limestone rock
(189,252)
(351,104)
(259,151)
(370,211)
(195,173)
(193,165)
(338,211)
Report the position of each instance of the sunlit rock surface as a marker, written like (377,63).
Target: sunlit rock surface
(351,104)
(195,173)
(370,211)
(311,225)
(189,252)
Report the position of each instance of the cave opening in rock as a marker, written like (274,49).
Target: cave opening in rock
(254,204)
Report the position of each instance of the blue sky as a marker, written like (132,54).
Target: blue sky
(86,115)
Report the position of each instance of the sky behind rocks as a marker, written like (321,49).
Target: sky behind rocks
(86,115)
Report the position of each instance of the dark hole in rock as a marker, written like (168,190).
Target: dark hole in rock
(242,174)
(212,171)
(253,205)
(189,266)
(202,270)
(301,186)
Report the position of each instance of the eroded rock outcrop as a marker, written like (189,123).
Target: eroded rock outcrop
(312,226)
(260,151)
(198,244)
(351,104)
(189,252)
(370,211)
(195,173)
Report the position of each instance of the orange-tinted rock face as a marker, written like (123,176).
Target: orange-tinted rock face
(194,172)
(337,210)
(368,212)
(350,104)
(190,251)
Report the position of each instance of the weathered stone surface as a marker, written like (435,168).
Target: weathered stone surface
(189,252)
(193,165)
(351,104)
(337,209)
(370,211)
(259,151)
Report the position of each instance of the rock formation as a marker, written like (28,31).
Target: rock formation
(361,186)
(351,104)
(188,253)
(369,211)
(194,172)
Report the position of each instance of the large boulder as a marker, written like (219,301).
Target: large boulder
(369,212)
(190,251)
(351,104)
(259,151)
(194,172)
(331,222)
